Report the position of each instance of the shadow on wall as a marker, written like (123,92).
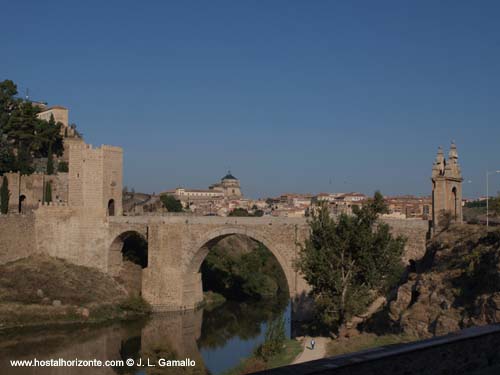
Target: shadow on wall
(302,308)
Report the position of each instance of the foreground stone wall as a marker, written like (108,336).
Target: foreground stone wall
(470,351)
(17,237)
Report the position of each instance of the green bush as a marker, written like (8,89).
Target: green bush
(275,339)
(62,167)
(170,203)
(135,304)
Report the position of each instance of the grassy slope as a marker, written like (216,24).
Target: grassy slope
(29,286)
(363,342)
(253,364)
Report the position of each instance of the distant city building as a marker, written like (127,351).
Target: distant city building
(409,206)
(296,200)
(60,113)
(219,199)
(229,186)
(339,203)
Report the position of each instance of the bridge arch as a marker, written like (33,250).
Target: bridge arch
(127,256)
(192,285)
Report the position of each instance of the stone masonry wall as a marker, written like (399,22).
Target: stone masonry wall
(77,235)
(177,245)
(31,188)
(95,177)
(416,232)
(17,237)
(177,249)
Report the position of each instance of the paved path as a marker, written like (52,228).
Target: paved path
(310,355)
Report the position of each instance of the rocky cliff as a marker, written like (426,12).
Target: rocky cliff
(455,285)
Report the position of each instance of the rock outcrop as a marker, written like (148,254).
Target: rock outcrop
(455,285)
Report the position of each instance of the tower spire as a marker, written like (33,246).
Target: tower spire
(453,154)
(439,164)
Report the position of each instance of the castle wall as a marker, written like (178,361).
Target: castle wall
(60,115)
(17,237)
(75,234)
(112,177)
(95,177)
(31,187)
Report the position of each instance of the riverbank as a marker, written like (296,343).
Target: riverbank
(310,354)
(41,290)
(211,300)
(291,349)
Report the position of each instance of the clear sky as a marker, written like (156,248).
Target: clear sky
(292,96)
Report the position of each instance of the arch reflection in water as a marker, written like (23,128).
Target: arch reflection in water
(216,339)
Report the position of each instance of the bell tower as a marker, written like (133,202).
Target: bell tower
(446,187)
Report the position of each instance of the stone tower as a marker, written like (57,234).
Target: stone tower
(95,177)
(446,186)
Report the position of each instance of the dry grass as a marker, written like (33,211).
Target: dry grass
(363,342)
(29,286)
(58,279)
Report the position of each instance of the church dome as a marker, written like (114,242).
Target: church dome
(229,176)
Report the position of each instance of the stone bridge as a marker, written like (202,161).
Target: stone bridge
(177,245)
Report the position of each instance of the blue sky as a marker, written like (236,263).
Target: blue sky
(295,96)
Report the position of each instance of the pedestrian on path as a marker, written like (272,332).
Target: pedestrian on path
(312,344)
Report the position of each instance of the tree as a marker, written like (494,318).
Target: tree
(274,341)
(258,213)
(8,102)
(170,203)
(240,212)
(23,132)
(346,260)
(48,192)
(4,196)
(495,205)
(62,166)
(50,161)
(49,136)
(24,160)
(7,157)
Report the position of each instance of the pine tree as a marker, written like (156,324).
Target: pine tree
(4,196)
(50,161)
(48,192)
(24,160)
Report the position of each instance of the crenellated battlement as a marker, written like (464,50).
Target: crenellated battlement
(53,204)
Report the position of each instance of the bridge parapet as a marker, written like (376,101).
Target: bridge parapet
(469,351)
(209,220)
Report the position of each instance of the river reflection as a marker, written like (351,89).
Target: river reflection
(217,339)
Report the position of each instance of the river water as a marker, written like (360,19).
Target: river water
(217,339)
